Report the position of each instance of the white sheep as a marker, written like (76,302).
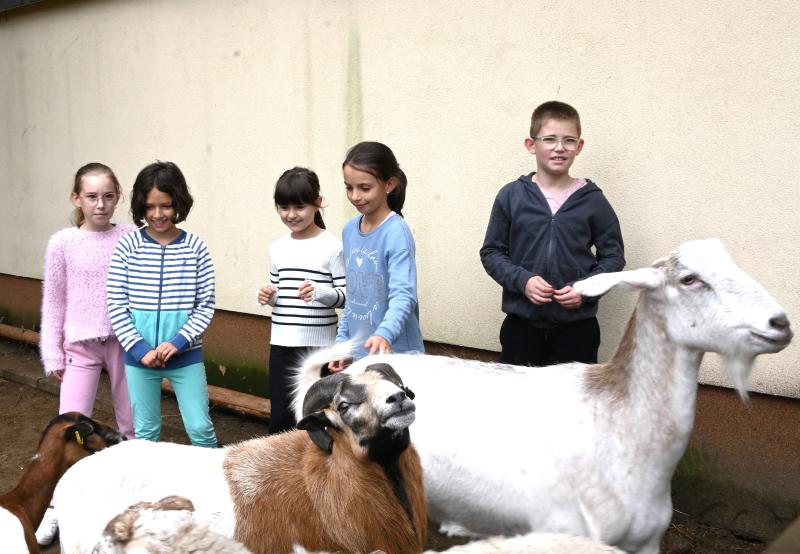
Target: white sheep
(347,480)
(66,439)
(588,450)
(166,526)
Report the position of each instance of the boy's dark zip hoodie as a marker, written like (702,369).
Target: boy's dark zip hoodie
(524,239)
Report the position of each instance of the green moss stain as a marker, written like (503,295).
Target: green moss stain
(19,318)
(238,375)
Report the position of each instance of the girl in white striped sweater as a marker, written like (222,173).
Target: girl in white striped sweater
(160,300)
(306,284)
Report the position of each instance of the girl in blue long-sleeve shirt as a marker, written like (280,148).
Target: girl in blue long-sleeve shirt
(382,310)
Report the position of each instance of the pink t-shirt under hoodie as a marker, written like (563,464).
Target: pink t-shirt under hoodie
(74,293)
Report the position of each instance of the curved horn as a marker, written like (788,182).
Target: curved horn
(320,394)
(387,372)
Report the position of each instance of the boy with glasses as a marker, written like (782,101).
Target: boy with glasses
(539,241)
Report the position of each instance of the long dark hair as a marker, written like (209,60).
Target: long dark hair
(297,186)
(94,168)
(378,160)
(168,178)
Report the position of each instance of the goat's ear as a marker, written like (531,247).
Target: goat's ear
(598,285)
(316,425)
(79,432)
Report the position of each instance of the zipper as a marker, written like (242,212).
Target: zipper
(160,288)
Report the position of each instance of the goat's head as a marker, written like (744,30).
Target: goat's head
(374,405)
(707,304)
(79,436)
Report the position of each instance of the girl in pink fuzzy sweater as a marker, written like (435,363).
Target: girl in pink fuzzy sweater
(76,339)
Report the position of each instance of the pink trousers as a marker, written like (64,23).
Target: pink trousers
(84,362)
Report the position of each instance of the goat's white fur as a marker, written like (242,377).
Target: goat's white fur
(13,533)
(584,450)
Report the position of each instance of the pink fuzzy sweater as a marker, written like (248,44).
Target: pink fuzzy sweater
(74,294)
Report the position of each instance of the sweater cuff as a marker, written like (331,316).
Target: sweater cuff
(51,365)
(179,342)
(522,281)
(325,295)
(382,332)
(139,349)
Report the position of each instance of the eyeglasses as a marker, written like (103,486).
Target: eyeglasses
(551,141)
(108,198)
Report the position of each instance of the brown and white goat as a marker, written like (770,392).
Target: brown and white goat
(66,439)
(346,480)
(356,486)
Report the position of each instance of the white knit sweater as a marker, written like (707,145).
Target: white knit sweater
(291,261)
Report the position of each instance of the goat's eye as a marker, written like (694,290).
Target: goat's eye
(687,280)
(343,407)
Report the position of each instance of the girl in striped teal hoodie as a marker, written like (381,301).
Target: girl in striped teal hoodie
(160,301)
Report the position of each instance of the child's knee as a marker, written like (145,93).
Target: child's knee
(203,435)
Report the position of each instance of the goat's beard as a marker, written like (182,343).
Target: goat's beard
(739,365)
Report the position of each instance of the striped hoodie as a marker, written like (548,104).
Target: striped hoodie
(159,293)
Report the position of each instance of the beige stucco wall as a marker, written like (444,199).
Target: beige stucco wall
(689,112)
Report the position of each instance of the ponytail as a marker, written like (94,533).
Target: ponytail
(397,197)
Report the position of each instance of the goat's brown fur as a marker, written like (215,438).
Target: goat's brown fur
(613,377)
(58,450)
(287,491)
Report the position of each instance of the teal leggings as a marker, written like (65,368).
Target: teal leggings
(191,390)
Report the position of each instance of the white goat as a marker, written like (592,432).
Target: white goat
(66,439)
(348,480)
(585,449)
(160,527)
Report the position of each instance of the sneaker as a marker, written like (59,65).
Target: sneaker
(48,529)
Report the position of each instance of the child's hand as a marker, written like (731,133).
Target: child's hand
(151,360)
(306,291)
(568,297)
(58,375)
(337,366)
(165,351)
(378,344)
(538,290)
(265,294)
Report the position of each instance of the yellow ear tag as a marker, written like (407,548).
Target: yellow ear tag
(78,438)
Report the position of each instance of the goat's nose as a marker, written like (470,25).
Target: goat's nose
(399,396)
(779,322)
